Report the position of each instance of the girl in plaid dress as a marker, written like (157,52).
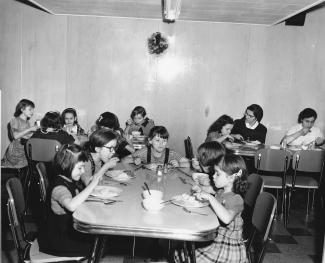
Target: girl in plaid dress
(230,179)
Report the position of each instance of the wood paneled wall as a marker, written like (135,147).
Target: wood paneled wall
(98,64)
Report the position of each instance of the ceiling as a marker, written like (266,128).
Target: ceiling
(261,12)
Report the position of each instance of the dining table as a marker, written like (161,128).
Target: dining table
(127,216)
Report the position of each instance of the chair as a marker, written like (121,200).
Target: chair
(255,187)
(273,161)
(43,185)
(188,148)
(16,208)
(39,150)
(306,162)
(262,221)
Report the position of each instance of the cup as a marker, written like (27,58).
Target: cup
(38,123)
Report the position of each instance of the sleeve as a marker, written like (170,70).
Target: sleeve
(14,125)
(235,203)
(174,156)
(261,133)
(319,133)
(142,154)
(60,193)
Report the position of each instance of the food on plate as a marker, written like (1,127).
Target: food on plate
(187,200)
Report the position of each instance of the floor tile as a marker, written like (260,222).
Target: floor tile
(285,258)
(298,231)
(280,239)
(272,248)
(295,249)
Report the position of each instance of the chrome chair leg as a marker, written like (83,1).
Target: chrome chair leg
(307,203)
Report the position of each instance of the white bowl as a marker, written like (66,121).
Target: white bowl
(152,204)
(154,194)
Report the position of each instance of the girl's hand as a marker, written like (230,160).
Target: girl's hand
(111,163)
(203,196)
(97,178)
(137,161)
(230,138)
(33,128)
(304,131)
(196,188)
(174,163)
(238,137)
(129,121)
(151,166)
(196,164)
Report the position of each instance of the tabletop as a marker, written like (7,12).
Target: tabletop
(130,218)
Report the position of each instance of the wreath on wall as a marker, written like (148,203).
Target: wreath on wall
(157,44)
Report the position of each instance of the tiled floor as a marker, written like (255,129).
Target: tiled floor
(300,242)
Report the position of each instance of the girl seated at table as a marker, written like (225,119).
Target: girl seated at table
(100,150)
(231,180)
(110,121)
(157,153)
(305,133)
(70,122)
(220,130)
(57,236)
(21,131)
(139,122)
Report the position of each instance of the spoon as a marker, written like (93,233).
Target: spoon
(193,212)
(146,185)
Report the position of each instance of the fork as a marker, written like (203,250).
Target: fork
(105,202)
(193,212)
(184,181)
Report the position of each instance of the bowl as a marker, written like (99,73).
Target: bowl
(154,194)
(152,204)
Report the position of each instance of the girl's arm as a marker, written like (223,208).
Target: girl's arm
(72,204)
(18,135)
(225,215)
(290,138)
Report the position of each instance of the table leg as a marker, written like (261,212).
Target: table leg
(97,249)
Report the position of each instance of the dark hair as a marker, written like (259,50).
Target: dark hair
(231,164)
(22,104)
(99,138)
(209,152)
(219,123)
(51,119)
(108,120)
(307,113)
(158,130)
(66,158)
(257,111)
(138,110)
(69,110)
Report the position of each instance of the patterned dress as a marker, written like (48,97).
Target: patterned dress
(228,246)
(14,156)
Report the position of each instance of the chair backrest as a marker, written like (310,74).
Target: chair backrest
(15,209)
(188,148)
(308,161)
(43,182)
(10,133)
(262,221)
(255,186)
(42,150)
(272,160)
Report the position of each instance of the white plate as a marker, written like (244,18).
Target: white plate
(118,175)
(252,143)
(103,191)
(182,200)
(275,147)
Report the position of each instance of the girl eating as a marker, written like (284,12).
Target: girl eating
(70,122)
(220,130)
(100,150)
(139,122)
(21,130)
(57,235)
(157,153)
(230,180)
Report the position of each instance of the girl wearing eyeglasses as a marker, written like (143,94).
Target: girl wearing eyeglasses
(250,128)
(100,151)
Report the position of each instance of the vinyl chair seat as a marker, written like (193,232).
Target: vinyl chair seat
(272,181)
(40,257)
(303,182)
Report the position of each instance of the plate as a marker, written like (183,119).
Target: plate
(102,191)
(188,201)
(234,144)
(275,147)
(118,175)
(252,143)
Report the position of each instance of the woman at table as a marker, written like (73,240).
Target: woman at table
(305,133)
(57,236)
(250,127)
(220,130)
(100,150)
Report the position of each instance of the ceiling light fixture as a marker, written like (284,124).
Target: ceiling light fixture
(171,10)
